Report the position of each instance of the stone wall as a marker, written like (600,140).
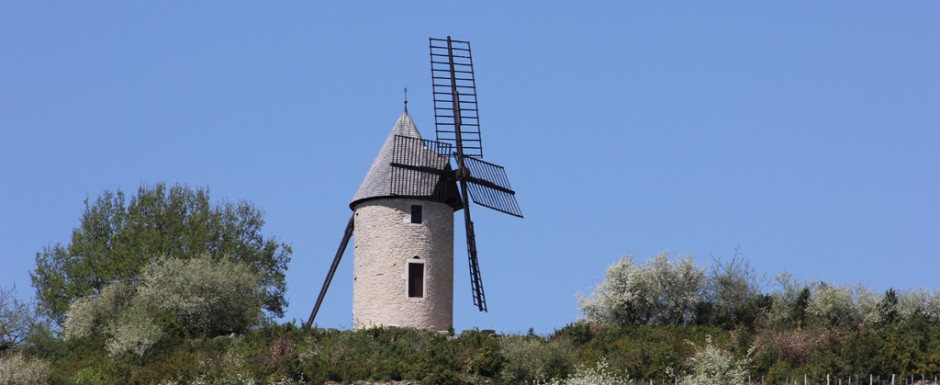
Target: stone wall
(385,240)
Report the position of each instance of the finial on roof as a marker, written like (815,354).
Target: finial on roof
(406,98)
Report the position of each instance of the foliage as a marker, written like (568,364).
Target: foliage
(919,303)
(288,354)
(134,331)
(16,369)
(117,239)
(599,374)
(19,321)
(200,296)
(531,360)
(732,295)
(643,351)
(888,308)
(480,353)
(93,316)
(204,294)
(173,324)
(658,292)
(835,305)
(711,365)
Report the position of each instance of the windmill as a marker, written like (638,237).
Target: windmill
(403,211)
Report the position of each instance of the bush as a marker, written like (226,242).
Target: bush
(134,331)
(199,296)
(207,296)
(16,369)
(479,353)
(531,360)
(92,316)
(85,376)
(657,292)
(600,374)
(711,365)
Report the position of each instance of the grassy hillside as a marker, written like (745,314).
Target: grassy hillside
(285,354)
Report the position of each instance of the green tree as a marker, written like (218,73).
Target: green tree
(117,238)
(798,311)
(888,308)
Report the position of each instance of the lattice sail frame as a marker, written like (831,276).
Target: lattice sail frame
(459,56)
(418,166)
(489,186)
(456,119)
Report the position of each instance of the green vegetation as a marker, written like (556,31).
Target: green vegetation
(199,297)
(117,239)
(19,322)
(159,292)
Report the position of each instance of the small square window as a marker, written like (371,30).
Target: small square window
(416,216)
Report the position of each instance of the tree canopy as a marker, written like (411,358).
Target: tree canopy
(117,237)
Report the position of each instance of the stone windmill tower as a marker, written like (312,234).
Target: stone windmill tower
(403,268)
(403,212)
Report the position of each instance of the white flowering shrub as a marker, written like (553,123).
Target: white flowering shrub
(625,295)
(206,295)
(91,316)
(711,365)
(203,295)
(133,332)
(841,305)
(868,305)
(16,369)
(932,307)
(600,374)
(660,291)
(918,303)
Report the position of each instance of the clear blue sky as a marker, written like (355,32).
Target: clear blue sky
(806,133)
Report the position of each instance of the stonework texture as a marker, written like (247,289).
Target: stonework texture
(385,240)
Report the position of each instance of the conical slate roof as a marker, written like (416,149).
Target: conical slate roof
(421,185)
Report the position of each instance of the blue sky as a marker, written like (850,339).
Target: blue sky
(804,133)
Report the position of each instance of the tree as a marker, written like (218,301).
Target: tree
(116,239)
(888,308)
(732,292)
(18,321)
(834,305)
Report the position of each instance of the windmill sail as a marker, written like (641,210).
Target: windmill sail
(418,168)
(457,121)
(455,95)
(489,186)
